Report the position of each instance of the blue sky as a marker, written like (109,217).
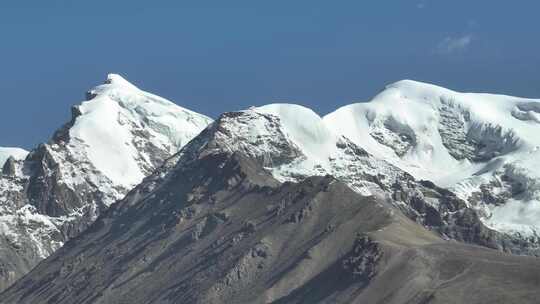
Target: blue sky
(216,56)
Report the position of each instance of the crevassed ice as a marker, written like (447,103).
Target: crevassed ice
(501,131)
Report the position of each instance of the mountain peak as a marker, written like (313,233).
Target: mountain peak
(115,138)
(117,80)
(117,111)
(410,83)
(113,83)
(405,90)
(468,142)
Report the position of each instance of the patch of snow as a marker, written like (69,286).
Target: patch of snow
(16,153)
(515,216)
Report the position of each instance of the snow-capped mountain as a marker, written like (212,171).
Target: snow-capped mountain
(293,143)
(237,217)
(483,147)
(7,152)
(461,165)
(117,137)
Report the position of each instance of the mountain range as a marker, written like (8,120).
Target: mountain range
(421,195)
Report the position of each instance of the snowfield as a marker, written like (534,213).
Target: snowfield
(106,127)
(484,147)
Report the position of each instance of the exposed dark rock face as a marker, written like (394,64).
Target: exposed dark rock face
(466,140)
(394,135)
(45,188)
(41,190)
(363,259)
(440,210)
(62,134)
(9,167)
(452,127)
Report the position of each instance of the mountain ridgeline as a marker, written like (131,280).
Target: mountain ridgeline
(422,195)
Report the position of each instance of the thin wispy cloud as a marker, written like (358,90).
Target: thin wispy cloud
(420,5)
(452,45)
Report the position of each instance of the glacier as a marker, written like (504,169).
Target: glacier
(483,147)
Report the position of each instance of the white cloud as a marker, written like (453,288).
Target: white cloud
(420,5)
(451,45)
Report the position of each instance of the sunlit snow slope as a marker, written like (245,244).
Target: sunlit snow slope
(110,122)
(115,138)
(484,147)
(16,153)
